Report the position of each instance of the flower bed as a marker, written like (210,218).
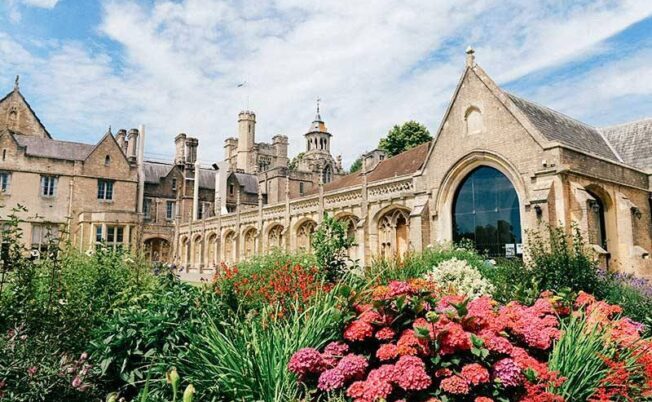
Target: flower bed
(412,342)
(283,285)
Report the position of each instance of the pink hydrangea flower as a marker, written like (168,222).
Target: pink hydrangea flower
(358,331)
(387,352)
(411,374)
(306,360)
(455,385)
(353,367)
(508,372)
(385,334)
(475,374)
(330,380)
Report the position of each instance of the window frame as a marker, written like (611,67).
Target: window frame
(105,190)
(48,188)
(5,182)
(170,210)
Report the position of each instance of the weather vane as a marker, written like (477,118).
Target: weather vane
(318,100)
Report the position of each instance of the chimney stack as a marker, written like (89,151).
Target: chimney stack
(180,149)
(121,138)
(132,145)
(191,150)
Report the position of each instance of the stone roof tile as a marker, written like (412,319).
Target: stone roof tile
(633,142)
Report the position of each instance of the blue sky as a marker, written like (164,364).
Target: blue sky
(175,65)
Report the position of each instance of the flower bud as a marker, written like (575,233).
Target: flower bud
(188,393)
(431,316)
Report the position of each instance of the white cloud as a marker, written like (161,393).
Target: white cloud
(374,64)
(40,3)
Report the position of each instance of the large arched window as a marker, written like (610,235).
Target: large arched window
(486,211)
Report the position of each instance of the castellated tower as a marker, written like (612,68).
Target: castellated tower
(246,141)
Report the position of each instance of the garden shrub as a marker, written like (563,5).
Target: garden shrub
(561,261)
(461,277)
(602,355)
(239,358)
(633,294)
(331,244)
(414,343)
(278,279)
(415,265)
(141,339)
(511,280)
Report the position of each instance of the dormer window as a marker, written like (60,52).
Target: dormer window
(107,160)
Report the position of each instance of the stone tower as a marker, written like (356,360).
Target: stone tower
(246,140)
(317,157)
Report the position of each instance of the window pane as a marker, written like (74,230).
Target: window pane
(119,235)
(486,210)
(110,235)
(98,233)
(100,189)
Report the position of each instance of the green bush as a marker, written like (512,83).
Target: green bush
(331,244)
(415,265)
(512,280)
(139,340)
(245,358)
(561,261)
(580,356)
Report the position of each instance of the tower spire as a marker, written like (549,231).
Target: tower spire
(318,116)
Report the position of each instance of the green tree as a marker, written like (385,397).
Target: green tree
(403,137)
(294,163)
(331,245)
(356,165)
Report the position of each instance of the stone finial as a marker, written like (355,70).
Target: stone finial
(470,57)
(17,82)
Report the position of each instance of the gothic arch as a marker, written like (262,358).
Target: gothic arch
(304,232)
(393,225)
(157,249)
(212,249)
(458,173)
(351,222)
(250,243)
(196,251)
(184,250)
(229,247)
(275,237)
(601,218)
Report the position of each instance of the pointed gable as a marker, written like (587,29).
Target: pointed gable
(17,115)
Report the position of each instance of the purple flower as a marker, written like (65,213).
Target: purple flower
(331,379)
(508,372)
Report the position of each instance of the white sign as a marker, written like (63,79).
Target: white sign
(510,249)
(519,248)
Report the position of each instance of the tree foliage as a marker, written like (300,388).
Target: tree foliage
(356,165)
(331,246)
(404,137)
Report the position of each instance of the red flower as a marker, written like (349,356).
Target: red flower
(385,334)
(454,385)
(358,331)
(411,374)
(475,374)
(387,352)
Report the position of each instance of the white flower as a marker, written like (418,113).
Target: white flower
(458,274)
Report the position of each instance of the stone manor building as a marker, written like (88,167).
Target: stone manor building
(498,167)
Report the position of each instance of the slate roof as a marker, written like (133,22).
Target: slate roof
(248,181)
(633,142)
(155,171)
(55,149)
(207,178)
(558,127)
